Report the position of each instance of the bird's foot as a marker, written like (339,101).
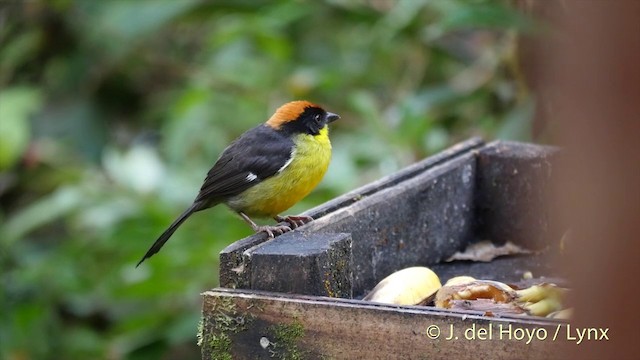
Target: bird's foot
(294,221)
(272,231)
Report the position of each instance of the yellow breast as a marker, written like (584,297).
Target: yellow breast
(309,163)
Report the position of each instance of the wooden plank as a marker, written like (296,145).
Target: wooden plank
(419,221)
(304,263)
(261,325)
(513,195)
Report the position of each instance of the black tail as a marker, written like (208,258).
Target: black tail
(167,233)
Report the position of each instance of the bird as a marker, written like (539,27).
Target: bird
(266,170)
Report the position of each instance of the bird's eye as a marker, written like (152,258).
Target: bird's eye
(317,117)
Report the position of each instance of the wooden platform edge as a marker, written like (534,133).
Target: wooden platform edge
(263,325)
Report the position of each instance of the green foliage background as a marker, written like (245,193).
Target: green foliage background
(111,112)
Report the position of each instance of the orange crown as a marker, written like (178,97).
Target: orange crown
(289,112)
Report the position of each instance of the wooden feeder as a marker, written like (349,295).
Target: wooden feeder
(295,296)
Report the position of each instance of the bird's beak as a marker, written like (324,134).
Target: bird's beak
(331,117)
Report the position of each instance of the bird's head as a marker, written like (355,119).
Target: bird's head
(301,116)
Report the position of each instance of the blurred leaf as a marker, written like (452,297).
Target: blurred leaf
(190,129)
(366,105)
(17,51)
(135,18)
(477,75)
(16,106)
(517,123)
(107,214)
(180,330)
(139,169)
(50,208)
(436,139)
(124,20)
(428,98)
(30,323)
(401,15)
(77,123)
(490,15)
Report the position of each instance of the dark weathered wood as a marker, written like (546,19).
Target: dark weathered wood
(406,173)
(304,263)
(419,221)
(259,325)
(513,194)
(505,269)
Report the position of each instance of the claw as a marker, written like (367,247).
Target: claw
(294,221)
(273,231)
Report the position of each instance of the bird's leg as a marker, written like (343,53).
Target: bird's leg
(294,221)
(272,231)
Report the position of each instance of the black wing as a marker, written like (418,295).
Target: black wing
(256,155)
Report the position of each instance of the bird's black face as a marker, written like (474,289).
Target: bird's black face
(310,121)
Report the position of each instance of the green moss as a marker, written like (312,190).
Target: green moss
(335,274)
(200,334)
(220,346)
(224,319)
(254,305)
(285,341)
(327,288)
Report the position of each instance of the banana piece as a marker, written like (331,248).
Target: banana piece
(538,292)
(459,280)
(541,300)
(543,307)
(410,286)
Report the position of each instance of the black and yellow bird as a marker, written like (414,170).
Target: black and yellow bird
(267,170)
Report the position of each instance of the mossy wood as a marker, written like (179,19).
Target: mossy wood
(311,327)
